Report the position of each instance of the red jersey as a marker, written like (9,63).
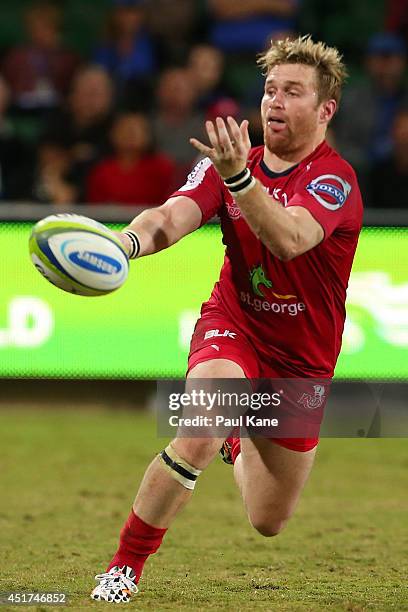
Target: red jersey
(293,312)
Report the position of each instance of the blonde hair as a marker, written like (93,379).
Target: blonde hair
(331,71)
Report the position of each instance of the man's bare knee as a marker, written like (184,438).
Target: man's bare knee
(268,526)
(199,452)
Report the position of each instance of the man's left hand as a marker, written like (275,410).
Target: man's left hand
(230,146)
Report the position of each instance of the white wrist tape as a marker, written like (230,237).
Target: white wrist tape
(235,181)
(245,190)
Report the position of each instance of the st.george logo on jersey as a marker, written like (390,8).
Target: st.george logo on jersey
(330,190)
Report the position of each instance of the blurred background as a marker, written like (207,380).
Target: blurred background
(97,96)
(97,102)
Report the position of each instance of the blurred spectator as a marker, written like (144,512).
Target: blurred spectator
(367,110)
(245,26)
(173,25)
(15,158)
(206,66)
(389,178)
(53,182)
(135,174)
(175,120)
(39,73)
(225,107)
(81,129)
(128,53)
(397,17)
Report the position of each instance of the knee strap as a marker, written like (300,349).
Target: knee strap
(178,468)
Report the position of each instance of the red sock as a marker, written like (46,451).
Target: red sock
(138,540)
(235,449)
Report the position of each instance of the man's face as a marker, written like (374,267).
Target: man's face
(290,108)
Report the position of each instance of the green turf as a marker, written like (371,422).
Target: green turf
(67,483)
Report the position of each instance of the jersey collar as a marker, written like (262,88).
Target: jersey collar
(271,174)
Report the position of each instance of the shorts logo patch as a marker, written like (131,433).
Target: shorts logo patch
(330,191)
(196,176)
(313,401)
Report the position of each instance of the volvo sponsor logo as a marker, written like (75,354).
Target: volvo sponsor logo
(329,190)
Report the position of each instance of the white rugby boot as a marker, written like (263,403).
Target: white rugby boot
(115,586)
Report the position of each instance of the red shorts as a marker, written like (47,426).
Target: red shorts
(217,337)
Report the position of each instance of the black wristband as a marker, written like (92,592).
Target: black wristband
(237,177)
(241,186)
(134,239)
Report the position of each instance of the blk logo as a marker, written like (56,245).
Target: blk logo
(215,333)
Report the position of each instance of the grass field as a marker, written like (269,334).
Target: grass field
(68,480)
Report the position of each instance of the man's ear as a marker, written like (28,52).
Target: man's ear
(327,110)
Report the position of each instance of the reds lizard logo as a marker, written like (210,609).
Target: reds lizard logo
(313,401)
(257,277)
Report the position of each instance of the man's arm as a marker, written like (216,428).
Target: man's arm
(159,228)
(286,232)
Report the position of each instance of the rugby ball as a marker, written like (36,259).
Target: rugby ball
(78,255)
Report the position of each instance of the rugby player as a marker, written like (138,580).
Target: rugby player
(291,213)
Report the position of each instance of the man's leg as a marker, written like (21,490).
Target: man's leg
(160,496)
(271,479)
(162,493)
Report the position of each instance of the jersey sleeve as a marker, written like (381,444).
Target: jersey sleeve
(329,192)
(204,186)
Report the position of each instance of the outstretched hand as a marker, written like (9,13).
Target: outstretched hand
(230,145)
